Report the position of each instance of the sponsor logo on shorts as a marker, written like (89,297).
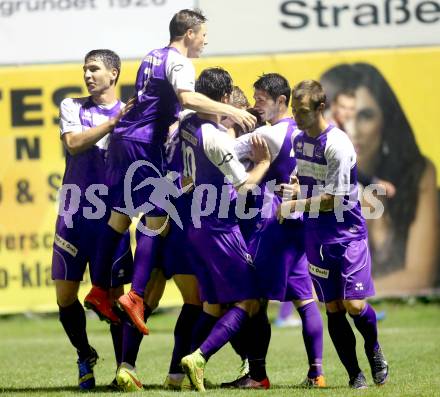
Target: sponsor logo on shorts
(249,259)
(65,245)
(318,271)
(359,287)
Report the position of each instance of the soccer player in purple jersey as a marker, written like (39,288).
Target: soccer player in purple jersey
(164,84)
(181,269)
(85,125)
(278,250)
(336,233)
(223,266)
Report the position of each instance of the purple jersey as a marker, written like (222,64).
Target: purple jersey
(327,164)
(210,160)
(279,140)
(174,158)
(163,72)
(88,167)
(74,247)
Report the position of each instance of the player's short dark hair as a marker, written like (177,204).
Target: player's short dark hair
(311,88)
(347,92)
(275,85)
(108,57)
(184,20)
(214,83)
(239,131)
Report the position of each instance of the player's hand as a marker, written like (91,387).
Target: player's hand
(243,118)
(390,189)
(128,106)
(187,184)
(291,190)
(260,151)
(285,209)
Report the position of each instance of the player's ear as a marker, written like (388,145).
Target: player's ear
(321,107)
(226,98)
(281,99)
(114,73)
(190,33)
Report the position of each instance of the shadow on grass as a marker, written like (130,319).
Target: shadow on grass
(107,389)
(74,389)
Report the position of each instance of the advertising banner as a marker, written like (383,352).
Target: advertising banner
(404,241)
(261,26)
(59,28)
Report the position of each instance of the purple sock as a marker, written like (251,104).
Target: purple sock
(106,247)
(202,329)
(312,330)
(366,324)
(131,340)
(145,260)
(116,331)
(344,341)
(182,335)
(258,333)
(73,319)
(225,328)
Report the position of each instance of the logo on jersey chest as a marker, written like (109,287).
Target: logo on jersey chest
(308,149)
(87,115)
(319,152)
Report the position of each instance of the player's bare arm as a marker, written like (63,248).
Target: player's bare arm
(324,202)
(261,158)
(291,190)
(201,103)
(78,142)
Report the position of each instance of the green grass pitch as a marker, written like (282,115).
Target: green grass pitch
(36,358)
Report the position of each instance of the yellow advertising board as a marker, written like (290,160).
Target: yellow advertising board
(32,158)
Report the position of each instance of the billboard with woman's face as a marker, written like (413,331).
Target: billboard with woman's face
(390,112)
(404,240)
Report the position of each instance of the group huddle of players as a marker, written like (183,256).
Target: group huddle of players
(253,212)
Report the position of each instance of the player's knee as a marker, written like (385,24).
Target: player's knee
(188,287)
(159,224)
(119,222)
(354,307)
(66,299)
(214,310)
(67,292)
(250,306)
(300,303)
(335,306)
(191,297)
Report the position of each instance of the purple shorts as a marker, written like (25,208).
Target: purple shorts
(340,270)
(121,156)
(222,265)
(176,259)
(280,260)
(74,247)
